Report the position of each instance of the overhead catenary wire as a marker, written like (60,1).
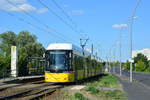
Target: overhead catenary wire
(63,11)
(68,17)
(75,28)
(36,19)
(33,25)
(59,17)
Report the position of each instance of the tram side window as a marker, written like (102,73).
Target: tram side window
(88,62)
(78,62)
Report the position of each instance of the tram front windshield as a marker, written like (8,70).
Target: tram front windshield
(58,61)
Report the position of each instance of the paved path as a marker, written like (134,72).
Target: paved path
(141,77)
(135,90)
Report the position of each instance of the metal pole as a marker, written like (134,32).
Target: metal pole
(92,49)
(120,45)
(110,59)
(114,61)
(83,47)
(131,50)
(131,30)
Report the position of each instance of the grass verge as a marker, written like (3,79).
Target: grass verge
(106,81)
(92,90)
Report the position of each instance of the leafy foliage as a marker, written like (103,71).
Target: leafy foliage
(127,65)
(141,63)
(7,39)
(140,66)
(27,46)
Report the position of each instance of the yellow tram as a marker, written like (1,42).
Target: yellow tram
(66,63)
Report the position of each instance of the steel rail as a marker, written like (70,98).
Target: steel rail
(19,94)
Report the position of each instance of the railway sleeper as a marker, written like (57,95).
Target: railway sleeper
(43,94)
(15,95)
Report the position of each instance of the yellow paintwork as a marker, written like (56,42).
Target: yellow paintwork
(59,77)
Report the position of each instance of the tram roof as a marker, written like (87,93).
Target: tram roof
(64,46)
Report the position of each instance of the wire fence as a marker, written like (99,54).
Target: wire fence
(36,66)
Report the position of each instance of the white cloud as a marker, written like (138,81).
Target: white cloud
(119,26)
(77,12)
(21,5)
(16,1)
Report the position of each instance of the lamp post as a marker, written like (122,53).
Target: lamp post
(114,54)
(131,33)
(120,46)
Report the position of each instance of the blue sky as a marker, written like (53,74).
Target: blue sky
(100,20)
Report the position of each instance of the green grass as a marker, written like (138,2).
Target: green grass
(95,93)
(106,81)
(92,90)
(112,95)
(102,95)
(144,72)
(75,96)
(79,96)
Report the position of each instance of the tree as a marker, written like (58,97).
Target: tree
(27,46)
(140,66)
(148,69)
(127,65)
(25,38)
(7,40)
(141,60)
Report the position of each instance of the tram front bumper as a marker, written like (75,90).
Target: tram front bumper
(59,77)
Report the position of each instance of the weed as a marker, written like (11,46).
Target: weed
(116,94)
(79,96)
(106,81)
(92,90)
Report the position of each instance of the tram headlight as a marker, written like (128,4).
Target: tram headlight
(46,77)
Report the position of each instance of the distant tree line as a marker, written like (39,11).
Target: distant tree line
(141,63)
(27,46)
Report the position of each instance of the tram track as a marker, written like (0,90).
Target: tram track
(31,93)
(38,94)
(6,86)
